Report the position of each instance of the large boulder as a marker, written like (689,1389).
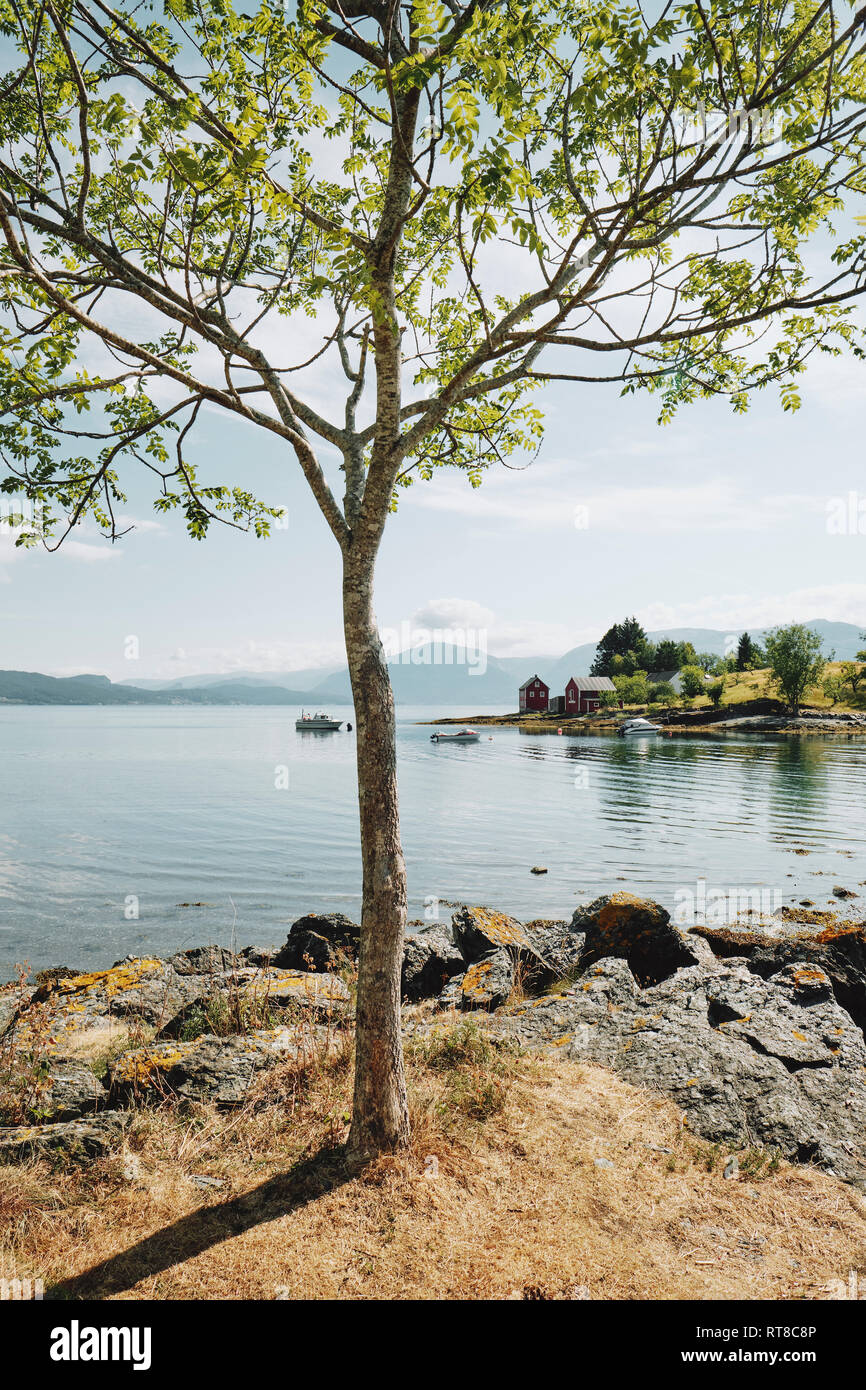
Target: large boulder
(775,1061)
(636,930)
(478,931)
(204,960)
(430,960)
(220,1070)
(319,941)
(62,1009)
(838,950)
(259,995)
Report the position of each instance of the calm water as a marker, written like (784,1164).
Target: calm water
(104,807)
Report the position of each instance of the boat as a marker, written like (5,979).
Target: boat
(464,736)
(317,724)
(639,726)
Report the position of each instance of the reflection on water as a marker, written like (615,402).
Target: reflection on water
(177,806)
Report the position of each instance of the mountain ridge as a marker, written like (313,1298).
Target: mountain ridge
(494,681)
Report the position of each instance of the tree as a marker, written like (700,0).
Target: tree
(851,674)
(625,640)
(186,191)
(709,663)
(692,681)
(833,689)
(796,661)
(715,691)
(667,655)
(663,693)
(750,656)
(632,690)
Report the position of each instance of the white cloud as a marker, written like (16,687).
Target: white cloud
(453,612)
(713,505)
(88,554)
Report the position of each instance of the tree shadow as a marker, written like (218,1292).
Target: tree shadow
(208,1226)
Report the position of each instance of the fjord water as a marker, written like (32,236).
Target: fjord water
(107,812)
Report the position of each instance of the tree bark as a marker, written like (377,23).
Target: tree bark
(380,1116)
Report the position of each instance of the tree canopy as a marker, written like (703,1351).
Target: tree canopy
(796,661)
(502,193)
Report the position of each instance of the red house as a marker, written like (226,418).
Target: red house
(534,695)
(583,693)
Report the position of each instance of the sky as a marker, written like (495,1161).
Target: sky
(715,520)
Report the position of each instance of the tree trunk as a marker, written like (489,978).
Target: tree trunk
(380,1116)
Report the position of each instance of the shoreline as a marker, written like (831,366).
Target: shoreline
(735,719)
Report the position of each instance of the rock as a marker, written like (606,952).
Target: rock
(537,869)
(203,960)
(732,1167)
(143,988)
(478,931)
(776,1062)
(430,960)
(840,951)
(57,972)
(52,1088)
(203,1180)
(637,930)
(75,1140)
(71,1092)
(488,981)
(844,892)
(452,994)
(558,944)
(259,956)
(220,1070)
(259,995)
(319,942)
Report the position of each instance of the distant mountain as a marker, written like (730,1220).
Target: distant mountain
(289,680)
(448,680)
(32,688)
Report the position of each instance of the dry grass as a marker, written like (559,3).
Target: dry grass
(500,1196)
(741,686)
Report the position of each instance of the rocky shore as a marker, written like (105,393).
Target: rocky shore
(757,1038)
(749,717)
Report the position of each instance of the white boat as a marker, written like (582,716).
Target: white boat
(639,726)
(316,724)
(465,736)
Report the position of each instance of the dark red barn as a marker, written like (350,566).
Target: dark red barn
(583,693)
(534,695)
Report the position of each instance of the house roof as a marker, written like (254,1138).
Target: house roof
(593,682)
(674,678)
(531,680)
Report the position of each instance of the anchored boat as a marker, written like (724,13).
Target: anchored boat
(465,736)
(317,724)
(638,726)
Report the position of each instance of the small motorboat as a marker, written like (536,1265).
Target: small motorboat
(317,724)
(639,726)
(464,736)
